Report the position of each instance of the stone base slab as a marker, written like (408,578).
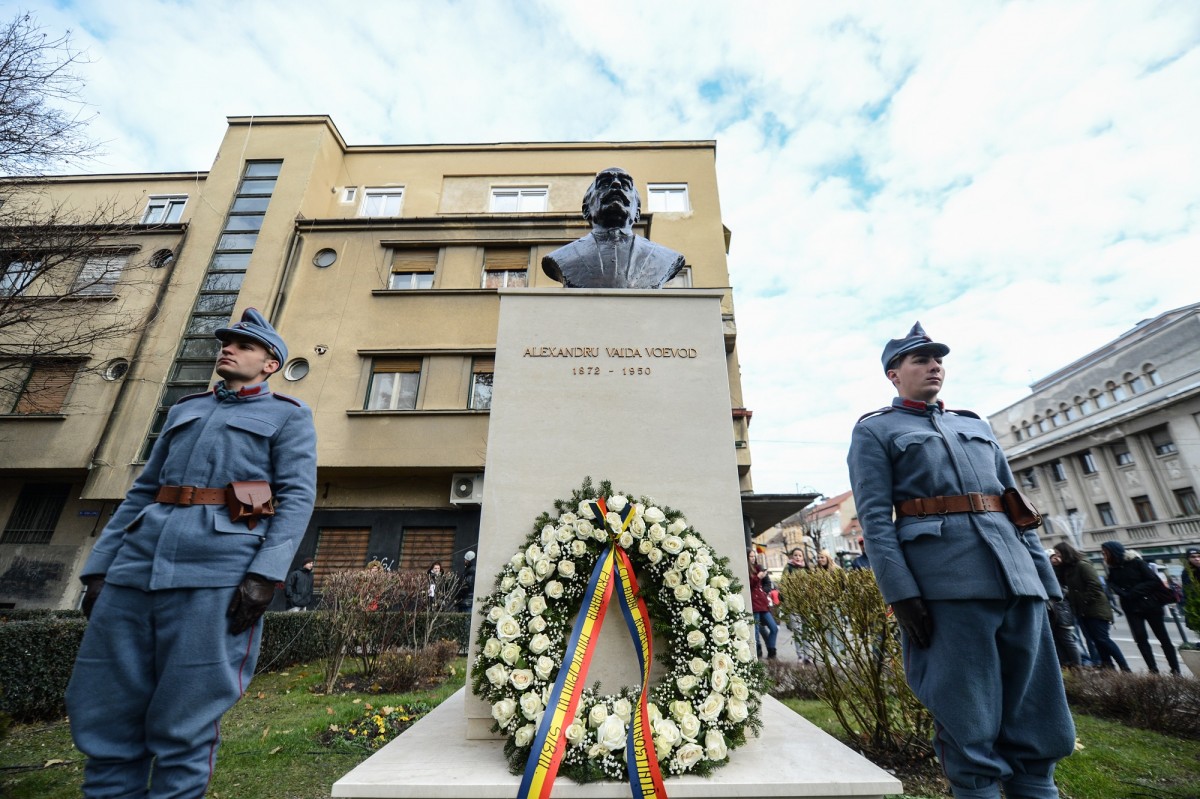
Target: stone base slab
(433,759)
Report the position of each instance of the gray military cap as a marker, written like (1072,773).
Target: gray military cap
(916,339)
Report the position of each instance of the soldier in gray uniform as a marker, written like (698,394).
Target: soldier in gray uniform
(967,587)
(176,586)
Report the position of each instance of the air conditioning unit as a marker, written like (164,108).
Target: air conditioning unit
(466,488)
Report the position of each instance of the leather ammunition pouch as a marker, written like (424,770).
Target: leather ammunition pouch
(1020,510)
(249,501)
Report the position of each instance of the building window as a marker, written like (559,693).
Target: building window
(1068,413)
(422,546)
(1087,462)
(1085,405)
(1144,509)
(1160,439)
(16,275)
(1059,471)
(1042,426)
(1028,429)
(394,383)
(683,280)
(413,269)
(1151,374)
(98,276)
(482,372)
(1101,399)
(505,267)
(1188,504)
(36,513)
(1016,433)
(667,197)
(1105,511)
(1121,454)
(1029,478)
(1054,418)
(164,210)
(519,200)
(1135,382)
(349,194)
(40,387)
(1116,391)
(339,549)
(382,202)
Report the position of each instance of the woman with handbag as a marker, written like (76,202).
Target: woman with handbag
(1088,602)
(1138,587)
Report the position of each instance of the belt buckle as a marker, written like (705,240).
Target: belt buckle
(976,500)
(184,500)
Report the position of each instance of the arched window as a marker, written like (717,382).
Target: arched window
(1135,382)
(1101,399)
(1067,412)
(1085,405)
(1028,429)
(1151,374)
(1053,417)
(1016,433)
(1117,392)
(1041,423)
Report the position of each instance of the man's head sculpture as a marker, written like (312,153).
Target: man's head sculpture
(612,201)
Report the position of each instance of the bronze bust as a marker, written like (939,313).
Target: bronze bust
(612,256)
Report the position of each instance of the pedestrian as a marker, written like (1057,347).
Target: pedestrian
(1132,579)
(827,562)
(1088,602)
(434,574)
(182,572)
(764,622)
(966,584)
(862,561)
(796,565)
(299,586)
(466,585)
(1191,589)
(1062,625)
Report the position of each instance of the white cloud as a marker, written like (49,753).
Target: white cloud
(1019,176)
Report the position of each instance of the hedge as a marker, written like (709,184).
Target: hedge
(38,648)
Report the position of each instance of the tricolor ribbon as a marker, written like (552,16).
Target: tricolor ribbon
(549,745)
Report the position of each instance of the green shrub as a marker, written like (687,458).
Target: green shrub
(290,638)
(411,669)
(789,680)
(36,658)
(859,665)
(1165,704)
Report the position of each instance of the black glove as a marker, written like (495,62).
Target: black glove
(95,584)
(250,601)
(915,620)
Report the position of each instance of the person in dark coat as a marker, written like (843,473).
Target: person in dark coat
(176,585)
(1191,587)
(1132,579)
(1089,603)
(299,586)
(466,586)
(765,625)
(967,587)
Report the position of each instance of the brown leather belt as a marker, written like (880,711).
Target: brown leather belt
(963,503)
(190,495)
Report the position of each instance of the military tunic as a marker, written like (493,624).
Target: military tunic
(158,666)
(990,676)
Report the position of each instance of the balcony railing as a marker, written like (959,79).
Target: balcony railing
(1163,533)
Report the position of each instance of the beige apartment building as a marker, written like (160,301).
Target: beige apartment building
(379,265)
(1108,447)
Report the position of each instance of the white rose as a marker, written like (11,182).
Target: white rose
(656,533)
(491,649)
(718,610)
(735,603)
(543,568)
(533,554)
(682,593)
(510,653)
(698,666)
(539,644)
(719,635)
(513,604)
(553,550)
(508,582)
(600,534)
(720,581)
(654,555)
(613,520)
(690,616)
(653,712)
(531,704)
(712,593)
(565,533)
(585,509)
(692,541)
(508,628)
(683,561)
(662,748)
(578,548)
(737,711)
(625,540)
(495,613)
(673,544)
(689,726)
(678,526)
(689,755)
(596,751)
(686,684)
(654,515)
(537,605)
(503,711)
(617,502)
(566,568)
(524,735)
(611,734)
(672,579)
(645,545)
(738,688)
(719,680)
(697,576)
(554,589)
(597,715)
(710,709)
(715,747)
(722,662)
(497,674)
(704,556)
(517,560)
(567,518)
(584,529)
(543,668)
(548,533)
(742,652)
(623,709)
(537,624)
(741,630)
(521,679)
(637,527)
(668,731)
(526,576)
(680,708)
(575,733)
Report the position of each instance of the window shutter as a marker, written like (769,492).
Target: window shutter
(46,389)
(414,260)
(339,549)
(422,546)
(505,258)
(389,365)
(485,365)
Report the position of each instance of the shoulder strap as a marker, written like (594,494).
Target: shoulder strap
(286,398)
(878,412)
(194,396)
(971,414)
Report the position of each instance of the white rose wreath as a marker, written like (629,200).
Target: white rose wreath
(710,696)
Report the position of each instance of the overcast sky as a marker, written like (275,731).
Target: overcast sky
(1021,177)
